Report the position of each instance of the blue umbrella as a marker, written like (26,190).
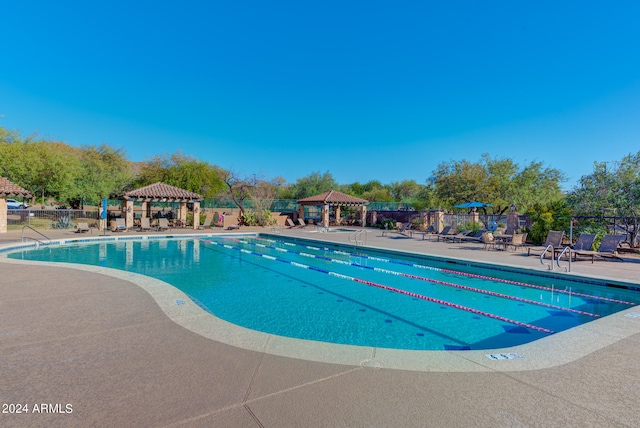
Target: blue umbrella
(472,204)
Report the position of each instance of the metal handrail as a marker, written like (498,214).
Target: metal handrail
(355,237)
(567,248)
(550,265)
(34,239)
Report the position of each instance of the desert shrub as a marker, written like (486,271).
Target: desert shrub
(63,222)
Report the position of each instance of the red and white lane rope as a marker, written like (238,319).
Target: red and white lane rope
(385,287)
(454,272)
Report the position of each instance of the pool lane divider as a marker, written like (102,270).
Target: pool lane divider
(385,287)
(422,278)
(454,272)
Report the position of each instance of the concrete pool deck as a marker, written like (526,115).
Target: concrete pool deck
(102,344)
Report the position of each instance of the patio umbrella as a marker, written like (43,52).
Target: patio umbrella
(472,204)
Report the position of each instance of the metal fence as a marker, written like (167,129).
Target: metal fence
(49,219)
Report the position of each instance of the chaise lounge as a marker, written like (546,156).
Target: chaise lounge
(554,238)
(608,249)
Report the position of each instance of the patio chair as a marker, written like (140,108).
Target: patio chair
(119,225)
(517,241)
(163,224)
(489,241)
(607,250)
(554,238)
(145,224)
(301,222)
(82,228)
(207,223)
(290,223)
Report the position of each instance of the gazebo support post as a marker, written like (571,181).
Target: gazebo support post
(325,215)
(3,215)
(128,209)
(196,214)
(301,213)
(336,211)
(182,213)
(363,215)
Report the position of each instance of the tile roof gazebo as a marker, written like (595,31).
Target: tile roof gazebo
(161,192)
(7,189)
(334,199)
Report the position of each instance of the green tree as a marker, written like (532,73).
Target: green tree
(500,182)
(313,184)
(106,172)
(183,171)
(611,191)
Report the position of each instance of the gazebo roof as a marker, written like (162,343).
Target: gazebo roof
(161,192)
(332,197)
(7,188)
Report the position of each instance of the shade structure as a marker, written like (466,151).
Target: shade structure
(472,204)
(8,190)
(161,192)
(334,199)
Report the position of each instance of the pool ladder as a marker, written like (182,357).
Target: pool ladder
(549,265)
(566,250)
(359,237)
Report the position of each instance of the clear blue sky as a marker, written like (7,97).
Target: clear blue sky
(363,89)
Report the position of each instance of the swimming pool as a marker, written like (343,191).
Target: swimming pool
(347,295)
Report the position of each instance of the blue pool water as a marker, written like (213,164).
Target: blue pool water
(350,295)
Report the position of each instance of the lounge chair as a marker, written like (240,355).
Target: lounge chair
(446,233)
(608,249)
(82,228)
(476,237)
(430,231)
(458,236)
(584,243)
(119,225)
(207,223)
(301,222)
(554,238)
(401,230)
(145,224)
(290,223)
(163,224)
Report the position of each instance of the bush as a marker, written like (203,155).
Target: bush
(389,223)
(257,218)
(63,222)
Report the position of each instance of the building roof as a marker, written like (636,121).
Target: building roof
(7,188)
(161,192)
(332,197)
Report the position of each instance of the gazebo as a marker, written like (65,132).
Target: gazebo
(161,192)
(9,189)
(336,200)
